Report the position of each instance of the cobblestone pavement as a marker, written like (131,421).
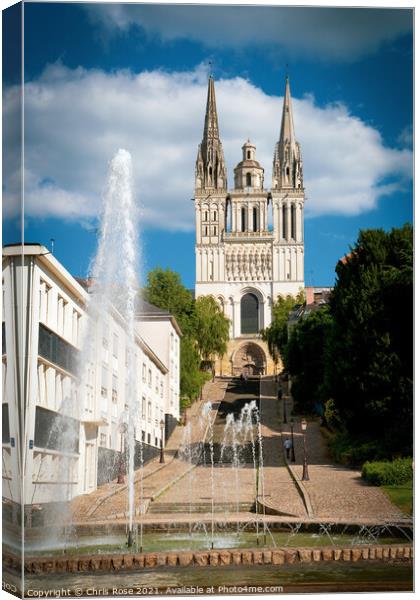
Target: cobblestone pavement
(334,491)
(111,500)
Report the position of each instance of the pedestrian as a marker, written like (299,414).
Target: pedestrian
(288,447)
(280,393)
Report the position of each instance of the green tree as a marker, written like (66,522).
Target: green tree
(212,328)
(371,352)
(165,289)
(191,377)
(306,358)
(276,334)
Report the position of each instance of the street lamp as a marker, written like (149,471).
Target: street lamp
(293,457)
(305,474)
(121,469)
(162,428)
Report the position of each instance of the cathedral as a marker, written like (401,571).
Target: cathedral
(249,239)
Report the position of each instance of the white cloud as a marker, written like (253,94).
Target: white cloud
(335,33)
(75,120)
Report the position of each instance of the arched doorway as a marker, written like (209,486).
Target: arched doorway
(249,359)
(249,314)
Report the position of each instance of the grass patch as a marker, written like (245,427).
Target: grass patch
(401,496)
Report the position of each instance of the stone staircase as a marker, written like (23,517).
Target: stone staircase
(199,507)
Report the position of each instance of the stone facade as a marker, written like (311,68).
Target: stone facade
(249,240)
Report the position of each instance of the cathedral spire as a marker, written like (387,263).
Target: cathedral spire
(287,130)
(211,126)
(287,164)
(210,169)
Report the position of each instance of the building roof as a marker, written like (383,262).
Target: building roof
(146,308)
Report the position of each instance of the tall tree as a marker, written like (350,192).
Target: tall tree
(306,359)
(191,377)
(371,352)
(276,334)
(165,289)
(212,328)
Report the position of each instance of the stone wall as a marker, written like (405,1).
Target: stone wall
(150,560)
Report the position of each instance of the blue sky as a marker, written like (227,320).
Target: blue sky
(100,77)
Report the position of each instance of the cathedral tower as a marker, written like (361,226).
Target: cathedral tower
(249,240)
(288,200)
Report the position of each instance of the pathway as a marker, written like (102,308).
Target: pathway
(334,491)
(281,492)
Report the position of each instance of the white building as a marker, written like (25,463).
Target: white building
(249,240)
(60,440)
(160,330)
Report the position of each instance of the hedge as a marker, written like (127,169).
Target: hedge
(396,472)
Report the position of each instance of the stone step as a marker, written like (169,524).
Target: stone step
(199,507)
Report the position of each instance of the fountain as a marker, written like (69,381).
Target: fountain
(115,288)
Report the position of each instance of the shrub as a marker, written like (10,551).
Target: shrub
(331,415)
(396,472)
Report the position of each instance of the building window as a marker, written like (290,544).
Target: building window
(56,432)
(206,216)
(57,350)
(143,436)
(149,411)
(248,180)
(5,423)
(214,215)
(293,221)
(248,154)
(148,438)
(254,219)
(143,408)
(249,314)
(102,441)
(243,219)
(143,372)
(150,378)
(284,222)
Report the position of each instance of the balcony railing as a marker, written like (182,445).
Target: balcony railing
(230,236)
